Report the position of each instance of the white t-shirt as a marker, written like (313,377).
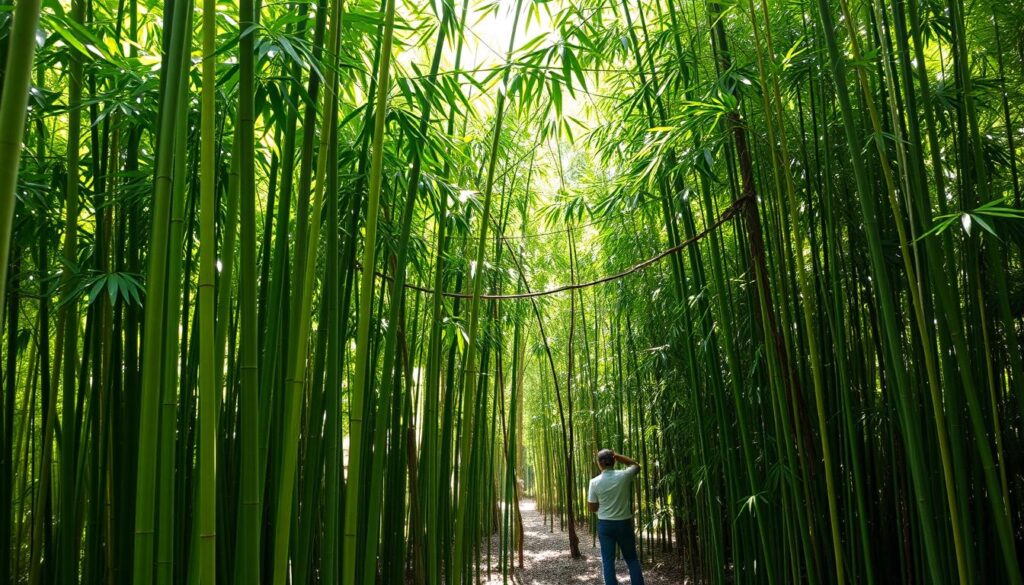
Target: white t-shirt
(611,490)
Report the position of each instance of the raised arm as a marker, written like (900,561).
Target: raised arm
(627,461)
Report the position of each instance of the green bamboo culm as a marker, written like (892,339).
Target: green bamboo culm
(17,80)
(358,444)
(305,275)
(69,320)
(470,373)
(249,542)
(14,94)
(156,301)
(209,410)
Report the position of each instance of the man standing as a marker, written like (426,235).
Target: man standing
(609,496)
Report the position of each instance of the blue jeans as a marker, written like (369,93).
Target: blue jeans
(618,532)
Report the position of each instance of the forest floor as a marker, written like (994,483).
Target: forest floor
(547,561)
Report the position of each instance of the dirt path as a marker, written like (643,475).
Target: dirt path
(547,561)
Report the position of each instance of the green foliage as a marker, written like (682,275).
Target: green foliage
(277,275)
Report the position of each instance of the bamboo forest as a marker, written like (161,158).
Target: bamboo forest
(354,291)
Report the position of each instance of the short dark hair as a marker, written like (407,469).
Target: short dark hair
(606,457)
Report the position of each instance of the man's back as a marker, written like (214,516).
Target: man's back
(611,490)
(609,497)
